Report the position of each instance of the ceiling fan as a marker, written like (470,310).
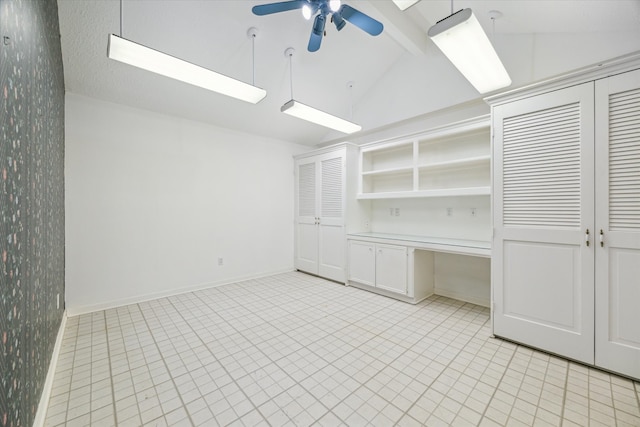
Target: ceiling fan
(322,9)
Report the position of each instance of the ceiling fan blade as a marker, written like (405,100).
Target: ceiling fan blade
(316,33)
(283,6)
(360,20)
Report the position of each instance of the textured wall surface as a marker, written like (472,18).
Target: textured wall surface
(31,202)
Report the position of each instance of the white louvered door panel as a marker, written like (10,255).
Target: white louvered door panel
(332,237)
(542,269)
(618,216)
(306,249)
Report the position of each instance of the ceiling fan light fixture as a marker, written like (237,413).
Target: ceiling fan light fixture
(461,38)
(405,4)
(318,25)
(334,5)
(313,115)
(140,56)
(307,12)
(338,21)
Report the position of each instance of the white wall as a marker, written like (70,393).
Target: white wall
(153,201)
(466,278)
(429,217)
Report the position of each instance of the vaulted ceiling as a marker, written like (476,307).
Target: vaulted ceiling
(397,76)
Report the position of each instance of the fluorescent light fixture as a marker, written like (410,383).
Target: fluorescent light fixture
(405,4)
(157,62)
(461,38)
(302,111)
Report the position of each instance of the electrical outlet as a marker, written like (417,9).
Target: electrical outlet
(473,211)
(449,211)
(397,211)
(220,261)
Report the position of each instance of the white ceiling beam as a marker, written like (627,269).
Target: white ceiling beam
(405,4)
(397,25)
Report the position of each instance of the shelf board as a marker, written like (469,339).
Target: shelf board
(441,192)
(390,171)
(470,161)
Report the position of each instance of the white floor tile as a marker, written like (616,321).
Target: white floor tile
(293,349)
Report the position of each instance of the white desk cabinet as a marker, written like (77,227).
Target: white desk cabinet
(391,268)
(379,265)
(401,266)
(362,262)
(567,217)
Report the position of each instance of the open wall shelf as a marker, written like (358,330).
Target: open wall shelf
(450,161)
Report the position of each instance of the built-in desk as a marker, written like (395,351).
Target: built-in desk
(402,266)
(435,244)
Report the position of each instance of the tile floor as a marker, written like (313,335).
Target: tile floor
(294,349)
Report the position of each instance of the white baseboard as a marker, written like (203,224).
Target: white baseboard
(462,297)
(41,413)
(84,309)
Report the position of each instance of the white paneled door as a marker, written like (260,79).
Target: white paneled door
(618,223)
(320,238)
(542,263)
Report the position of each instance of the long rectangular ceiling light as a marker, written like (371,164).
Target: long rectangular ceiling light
(461,38)
(157,62)
(310,114)
(405,4)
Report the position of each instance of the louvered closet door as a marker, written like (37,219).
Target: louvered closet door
(331,228)
(306,222)
(542,269)
(618,216)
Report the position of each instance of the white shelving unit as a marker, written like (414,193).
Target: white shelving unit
(453,160)
(428,194)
